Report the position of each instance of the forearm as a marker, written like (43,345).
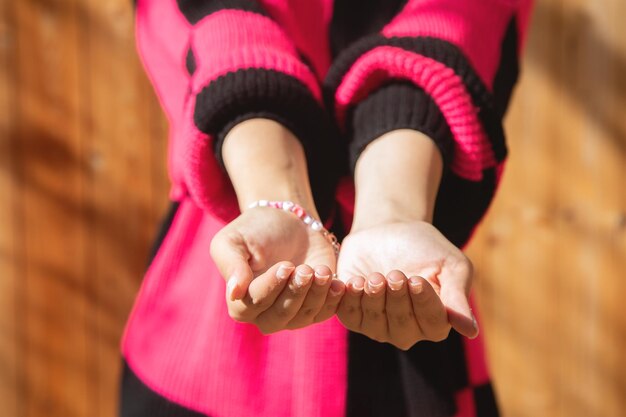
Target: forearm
(264,160)
(397,177)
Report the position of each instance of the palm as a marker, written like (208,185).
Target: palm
(271,236)
(413,248)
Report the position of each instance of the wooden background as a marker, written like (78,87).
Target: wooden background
(83,186)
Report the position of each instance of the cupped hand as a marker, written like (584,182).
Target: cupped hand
(257,254)
(424,293)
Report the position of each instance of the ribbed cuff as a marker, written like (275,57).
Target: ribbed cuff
(425,49)
(256,92)
(398,105)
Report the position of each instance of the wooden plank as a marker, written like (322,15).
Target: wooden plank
(9,222)
(126,181)
(54,301)
(551,255)
(595,202)
(514,308)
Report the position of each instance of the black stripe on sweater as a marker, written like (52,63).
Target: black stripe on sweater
(354,19)
(441,51)
(164,228)
(258,92)
(461,204)
(387,382)
(508,70)
(397,105)
(196,10)
(374,382)
(485,400)
(137,400)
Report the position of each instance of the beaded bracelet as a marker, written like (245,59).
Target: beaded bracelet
(299,211)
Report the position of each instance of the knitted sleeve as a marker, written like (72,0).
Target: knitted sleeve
(445,68)
(215,63)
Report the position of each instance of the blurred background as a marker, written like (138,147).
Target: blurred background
(83,187)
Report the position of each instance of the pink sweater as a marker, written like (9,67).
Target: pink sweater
(338,77)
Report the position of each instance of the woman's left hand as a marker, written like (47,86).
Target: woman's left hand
(424,293)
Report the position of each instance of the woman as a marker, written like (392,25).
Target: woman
(380,122)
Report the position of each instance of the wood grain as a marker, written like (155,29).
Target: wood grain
(83,185)
(53,310)
(10,219)
(551,256)
(86,177)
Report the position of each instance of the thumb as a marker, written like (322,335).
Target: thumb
(231,256)
(455,288)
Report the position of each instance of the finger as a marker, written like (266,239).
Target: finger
(374,322)
(333,298)
(231,256)
(429,310)
(349,310)
(262,292)
(403,328)
(314,300)
(287,304)
(455,288)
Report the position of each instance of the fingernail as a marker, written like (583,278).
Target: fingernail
(395,285)
(302,278)
(284,271)
(374,285)
(321,279)
(415,285)
(230,288)
(336,288)
(474,322)
(357,285)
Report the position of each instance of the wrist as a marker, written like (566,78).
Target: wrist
(397,178)
(265,161)
(380,214)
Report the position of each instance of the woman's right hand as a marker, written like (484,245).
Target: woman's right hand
(279,272)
